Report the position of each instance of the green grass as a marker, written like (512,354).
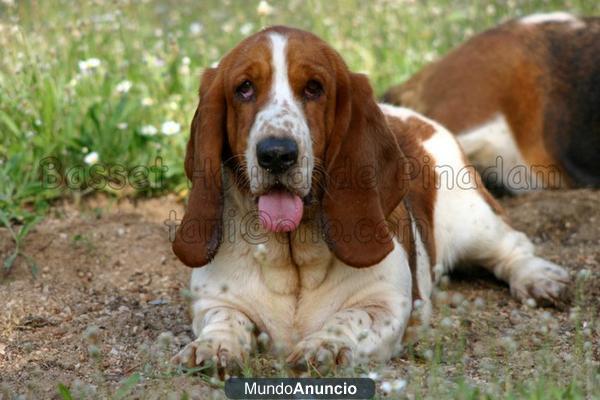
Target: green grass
(54,111)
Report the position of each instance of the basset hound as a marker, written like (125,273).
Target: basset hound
(523,100)
(321,219)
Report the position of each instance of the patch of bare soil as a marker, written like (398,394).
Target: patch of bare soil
(110,265)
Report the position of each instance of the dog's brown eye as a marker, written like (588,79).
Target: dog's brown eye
(313,90)
(245,91)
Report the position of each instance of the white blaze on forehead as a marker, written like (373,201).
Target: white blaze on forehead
(282,116)
(281,85)
(556,17)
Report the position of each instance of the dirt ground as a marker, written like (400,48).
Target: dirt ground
(110,265)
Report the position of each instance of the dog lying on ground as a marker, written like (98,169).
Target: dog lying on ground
(324,219)
(523,100)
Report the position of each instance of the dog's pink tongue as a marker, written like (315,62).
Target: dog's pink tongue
(280,211)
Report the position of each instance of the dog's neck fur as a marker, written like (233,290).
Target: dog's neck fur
(291,260)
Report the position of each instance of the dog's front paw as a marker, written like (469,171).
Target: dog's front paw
(320,354)
(222,351)
(541,280)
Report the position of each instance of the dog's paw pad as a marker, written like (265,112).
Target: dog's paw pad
(321,355)
(205,352)
(541,280)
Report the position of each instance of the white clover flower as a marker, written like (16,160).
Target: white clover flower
(89,64)
(264,8)
(91,158)
(148,130)
(386,387)
(196,28)
(429,56)
(184,70)
(246,28)
(428,354)
(479,303)
(373,375)
(169,128)
(228,27)
(398,385)
(531,303)
(584,274)
(122,125)
(147,101)
(124,86)
(186,60)
(263,338)
(93,63)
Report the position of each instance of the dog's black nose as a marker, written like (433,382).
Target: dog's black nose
(276,155)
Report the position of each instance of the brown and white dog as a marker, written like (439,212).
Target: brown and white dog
(321,218)
(523,100)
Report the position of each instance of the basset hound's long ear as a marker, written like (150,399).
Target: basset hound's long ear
(199,235)
(367,174)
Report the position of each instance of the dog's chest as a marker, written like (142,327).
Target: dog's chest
(277,280)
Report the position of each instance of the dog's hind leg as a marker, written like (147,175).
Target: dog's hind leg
(469,228)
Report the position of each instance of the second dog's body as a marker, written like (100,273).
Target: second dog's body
(522,99)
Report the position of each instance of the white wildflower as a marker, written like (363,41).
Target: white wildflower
(148,130)
(429,56)
(170,128)
(584,274)
(373,375)
(122,125)
(228,27)
(124,86)
(186,60)
(386,387)
(263,338)
(91,158)
(196,28)
(446,322)
(479,303)
(428,354)
(147,101)
(89,64)
(246,29)
(264,8)
(398,385)
(531,303)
